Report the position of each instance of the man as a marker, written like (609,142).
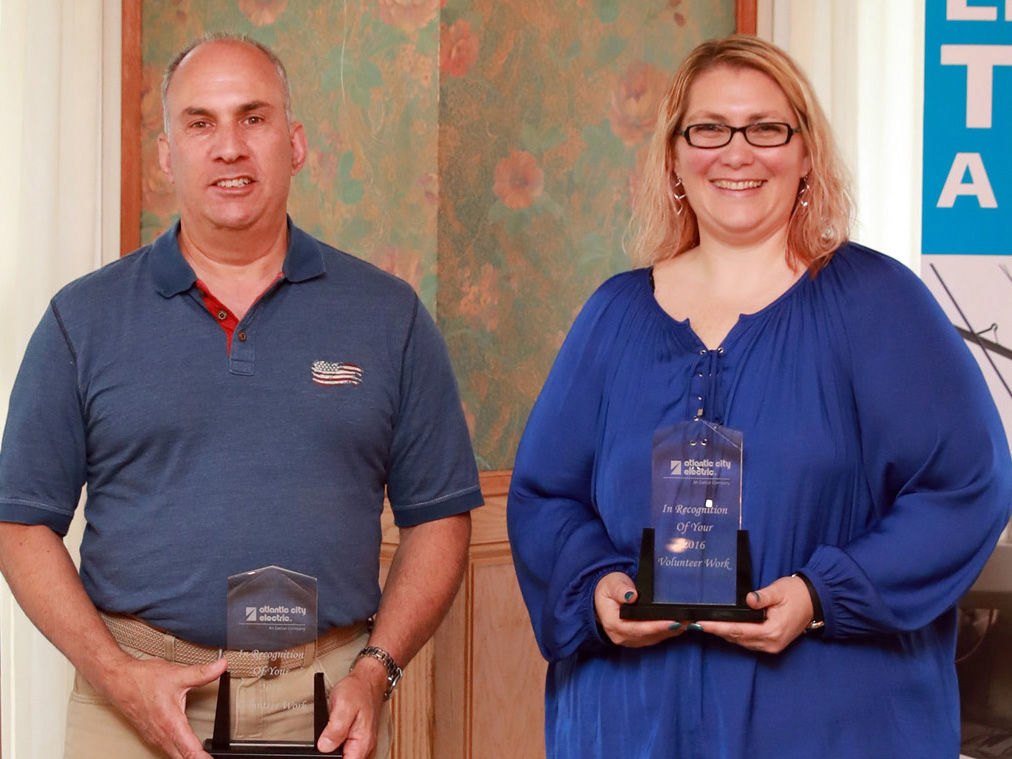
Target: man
(235,395)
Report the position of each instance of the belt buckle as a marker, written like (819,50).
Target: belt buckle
(273,666)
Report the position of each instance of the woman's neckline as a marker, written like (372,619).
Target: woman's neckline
(743,319)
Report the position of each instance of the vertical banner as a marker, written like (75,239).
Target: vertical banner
(966,246)
(966,238)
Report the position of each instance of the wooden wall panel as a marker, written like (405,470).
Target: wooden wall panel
(509,673)
(452,693)
(477,689)
(412,708)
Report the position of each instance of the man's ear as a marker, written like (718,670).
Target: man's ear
(163,156)
(300,146)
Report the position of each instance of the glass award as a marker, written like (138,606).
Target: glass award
(695,562)
(268,611)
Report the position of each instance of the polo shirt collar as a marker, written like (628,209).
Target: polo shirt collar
(303,261)
(168,267)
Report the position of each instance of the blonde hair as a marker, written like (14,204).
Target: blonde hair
(664,226)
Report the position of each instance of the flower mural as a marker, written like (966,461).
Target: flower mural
(321,166)
(518,179)
(262,12)
(158,197)
(151,99)
(458,48)
(407,15)
(419,69)
(429,184)
(676,12)
(479,297)
(416,109)
(634,102)
(399,262)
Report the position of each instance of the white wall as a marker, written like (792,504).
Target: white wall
(866,61)
(59,218)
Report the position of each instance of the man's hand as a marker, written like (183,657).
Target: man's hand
(151,693)
(424,576)
(355,704)
(788,612)
(612,591)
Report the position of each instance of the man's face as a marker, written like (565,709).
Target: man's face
(229,151)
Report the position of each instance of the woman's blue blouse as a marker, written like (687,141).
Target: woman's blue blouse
(874,461)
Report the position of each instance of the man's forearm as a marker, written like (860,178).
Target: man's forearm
(46,584)
(423,580)
(424,577)
(151,694)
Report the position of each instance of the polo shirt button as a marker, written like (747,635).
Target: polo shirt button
(242,336)
(223,315)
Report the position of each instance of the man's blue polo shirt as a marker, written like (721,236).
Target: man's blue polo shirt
(201,463)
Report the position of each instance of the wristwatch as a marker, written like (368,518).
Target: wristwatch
(394,672)
(818,620)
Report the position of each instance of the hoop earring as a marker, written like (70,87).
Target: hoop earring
(678,198)
(802,200)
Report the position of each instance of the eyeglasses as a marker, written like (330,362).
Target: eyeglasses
(762,134)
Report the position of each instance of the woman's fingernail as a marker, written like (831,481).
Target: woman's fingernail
(694,626)
(755,594)
(628,595)
(674,625)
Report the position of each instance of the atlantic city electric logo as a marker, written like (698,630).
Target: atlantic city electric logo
(268,613)
(703,467)
(336,373)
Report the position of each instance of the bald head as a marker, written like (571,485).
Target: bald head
(225,38)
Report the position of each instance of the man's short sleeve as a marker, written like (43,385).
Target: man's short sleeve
(43,460)
(432,472)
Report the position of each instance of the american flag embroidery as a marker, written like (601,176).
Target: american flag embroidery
(336,373)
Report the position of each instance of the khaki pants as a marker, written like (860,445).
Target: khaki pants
(279,708)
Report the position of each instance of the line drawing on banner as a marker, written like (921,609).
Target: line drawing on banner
(971,336)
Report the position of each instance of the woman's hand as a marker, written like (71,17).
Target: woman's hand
(612,592)
(788,612)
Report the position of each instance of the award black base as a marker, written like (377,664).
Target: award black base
(221,745)
(645,608)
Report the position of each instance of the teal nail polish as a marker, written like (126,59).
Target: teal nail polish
(628,595)
(756,596)
(694,626)
(674,625)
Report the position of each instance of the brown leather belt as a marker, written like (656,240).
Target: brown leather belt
(132,632)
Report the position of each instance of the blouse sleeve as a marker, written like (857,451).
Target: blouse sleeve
(936,461)
(560,546)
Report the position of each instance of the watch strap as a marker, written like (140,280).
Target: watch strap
(394,672)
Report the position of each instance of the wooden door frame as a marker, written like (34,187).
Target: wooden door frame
(130,129)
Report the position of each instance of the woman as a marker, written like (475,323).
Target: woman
(876,474)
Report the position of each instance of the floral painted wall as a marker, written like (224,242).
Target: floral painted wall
(365,84)
(545,112)
(484,150)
